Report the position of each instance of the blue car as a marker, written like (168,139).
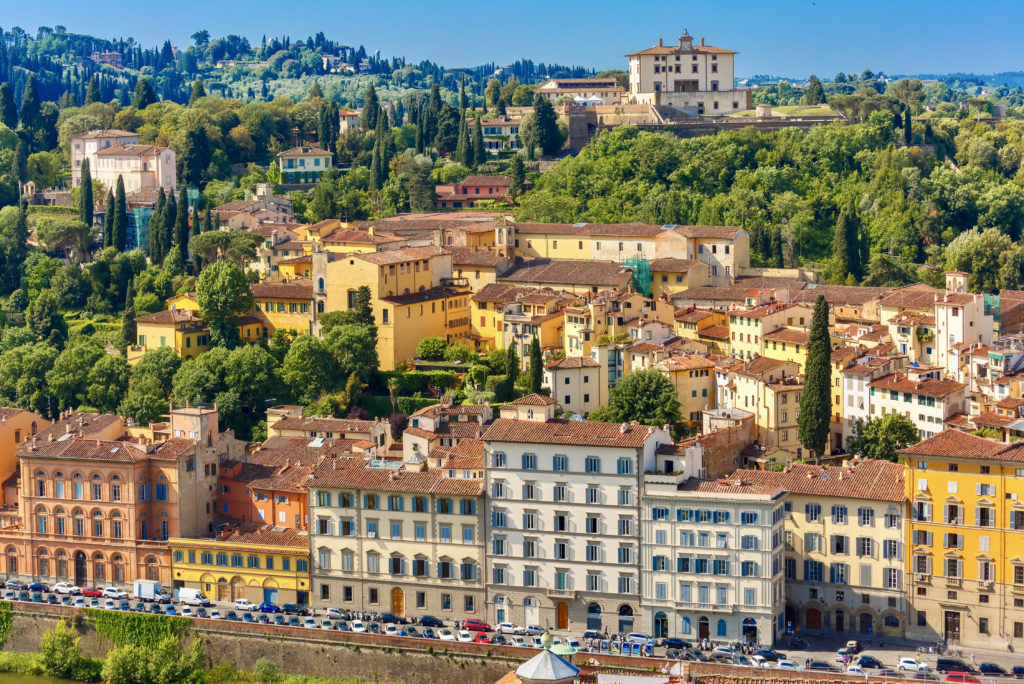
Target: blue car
(430,621)
(428,633)
(170,611)
(232,615)
(36,586)
(268,607)
(247,617)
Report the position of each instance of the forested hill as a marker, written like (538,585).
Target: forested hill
(906,212)
(229,65)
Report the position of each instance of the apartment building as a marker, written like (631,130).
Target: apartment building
(698,79)
(965,536)
(770,390)
(844,546)
(563,517)
(575,382)
(748,326)
(961,318)
(857,395)
(397,537)
(921,395)
(712,566)
(693,379)
(606,90)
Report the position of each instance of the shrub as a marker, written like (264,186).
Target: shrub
(431,349)
(410,405)
(460,352)
(62,653)
(265,671)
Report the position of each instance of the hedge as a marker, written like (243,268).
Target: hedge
(411,382)
(376,406)
(137,629)
(410,405)
(6,615)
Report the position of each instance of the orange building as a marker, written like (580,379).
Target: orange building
(97,511)
(16,425)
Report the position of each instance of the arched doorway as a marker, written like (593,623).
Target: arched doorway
(562,615)
(625,618)
(660,625)
(594,617)
(532,610)
(750,630)
(152,571)
(866,623)
(270,591)
(81,571)
(398,602)
(223,589)
(840,621)
(812,619)
(704,628)
(237,588)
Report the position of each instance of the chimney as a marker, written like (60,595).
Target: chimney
(702,41)
(661,42)
(622,428)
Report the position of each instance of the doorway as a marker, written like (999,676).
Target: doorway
(840,621)
(866,623)
(223,590)
(750,630)
(660,625)
(562,616)
(398,602)
(532,610)
(81,575)
(594,617)
(625,619)
(703,628)
(500,614)
(952,625)
(237,588)
(812,619)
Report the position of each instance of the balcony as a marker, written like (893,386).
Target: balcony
(561,593)
(954,582)
(705,607)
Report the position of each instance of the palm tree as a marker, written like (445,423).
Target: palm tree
(393,391)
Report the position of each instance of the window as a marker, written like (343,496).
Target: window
(625,466)
(529,461)
(866,517)
(813,512)
(592,524)
(593,464)
(560,463)
(839,515)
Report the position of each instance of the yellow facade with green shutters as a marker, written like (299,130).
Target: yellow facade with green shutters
(255,562)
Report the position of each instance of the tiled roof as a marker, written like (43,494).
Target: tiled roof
(1010,402)
(899,382)
(304,149)
(129,150)
(956,298)
(80,448)
(712,232)
(760,366)
(761,311)
(569,271)
(534,400)
(267,535)
(959,444)
(486,181)
(863,479)
(354,473)
(105,133)
(686,362)
(991,419)
(730,486)
(841,294)
(676,49)
(573,362)
(473,256)
(917,296)
(579,432)
(792,335)
(86,423)
(338,426)
(501,292)
(633,229)
(395,256)
(170,317)
(672,265)
(277,451)
(730,293)
(693,315)
(467,455)
(442,409)
(285,478)
(715,332)
(429,295)
(299,288)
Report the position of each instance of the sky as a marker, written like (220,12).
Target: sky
(782,37)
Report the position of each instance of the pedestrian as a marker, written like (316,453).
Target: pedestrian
(606,631)
(972,657)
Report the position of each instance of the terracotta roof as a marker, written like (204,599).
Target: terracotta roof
(304,149)
(267,229)
(277,451)
(579,432)
(573,362)
(338,426)
(472,256)
(286,478)
(693,315)
(267,535)
(792,335)
(353,473)
(841,294)
(631,229)
(899,382)
(711,232)
(534,400)
(959,444)
(171,317)
(83,449)
(350,234)
(501,292)
(676,49)
(863,479)
(430,295)
(395,256)
(644,347)
(105,133)
(991,419)
(486,180)
(686,362)
(761,311)
(912,318)
(730,293)
(129,150)
(956,299)
(86,423)
(760,366)
(917,296)
(468,454)
(299,288)
(715,332)
(672,265)
(730,486)
(569,271)
(1010,402)
(442,409)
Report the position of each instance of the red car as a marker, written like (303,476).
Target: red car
(480,638)
(91,591)
(476,626)
(963,677)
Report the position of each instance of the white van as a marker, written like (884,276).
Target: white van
(192,597)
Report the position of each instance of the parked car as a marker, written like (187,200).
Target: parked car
(334,614)
(854,647)
(517,640)
(430,621)
(893,674)
(108,604)
(268,607)
(14,584)
(480,638)
(642,639)
(673,642)
(532,630)
(741,660)
(279,619)
(911,665)
(155,609)
(65,588)
(591,634)
(358,626)
(869,662)
(429,633)
(91,592)
(309,623)
(572,641)
(477,626)
(506,628)
(193,597)
(992,669)
(247,617)
(390,630)
(963,677)
(952,665)
(36,586)
(445,635)
(215,615)
(52,599)
(391,619)
(187,612)
(412,632)
(79,602)
(465,636)
(499,640)
(1017,670)
(114,593)
(787,665)
(245,604)
(770,655)
(821,666)
(721,652)
(343,626)
(169,610)
(928,676)
(294,609)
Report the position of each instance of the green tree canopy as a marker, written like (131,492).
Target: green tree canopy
(882,437)
(223,295)
(645,396)
(816,400)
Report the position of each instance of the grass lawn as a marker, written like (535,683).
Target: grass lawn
(793,111)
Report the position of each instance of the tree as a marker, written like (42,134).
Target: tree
(354,348)
(518,175)
(881,438)
(253,371)
(370,106)
(8,110)
(108,220)
(129,331)
(198,91)
(146,399)
(107,382)
(980,254)
(120,231)
(645,396)
(162,364)
(364,304)
(546,122)
(61,653)
(45,319)
(815,94)
(19,166)
(536,366)
(144,94)
(223,295)
(479,151)
(463,151)
(307,368)
(431,349)
(181,230)
(491,93)
(323,205)
(85,201)
(816,400)
(30,105)
(846,244)
(195,156)
(909,92)
(908,130)
(511,364)
(93,93)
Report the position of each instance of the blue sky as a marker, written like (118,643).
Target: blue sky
(785,37)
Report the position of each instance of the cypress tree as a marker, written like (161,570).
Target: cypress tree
(463,153)
(129,330)
(144,94)
(19,166)
(108,221)
(85,201)
(908,131)
(120,217)
(462,95)
(370,106)
(181,223)
(518,175)
(197,225)
(479,151)
(512,363)
(8,110)
(536,366)
(156,227)
(18,247)
(816,400)
(198,91)
(208,222)
(169,224)
(30,104)
(840,248)
(93,94)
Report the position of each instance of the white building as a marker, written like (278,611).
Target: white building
(575,383)
(85,145)
(141,166)
(960,318)
(563,517)
(857,394)
(712,559)
(921,396)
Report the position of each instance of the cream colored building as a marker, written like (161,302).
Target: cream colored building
(921,395)
(844,546)
(85,145)
(712,558)
(141,166)
(563,518)
(693,378)
(575,382)
(747,326)
(698,79)
(770,389)
(396,537)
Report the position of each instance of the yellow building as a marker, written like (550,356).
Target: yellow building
(841,357)
(716,337)
(689,322)
(787,344)
(746,326)
(16,426)
(693,378)
(408,318)
(181,329)
(770,389)
(670,275)
(480,266)
(254,561)
(285,305)
(965,535)
(488,313)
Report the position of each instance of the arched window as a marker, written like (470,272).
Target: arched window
(97,524)
(118,563)
(40,483)
(60,520)
(62,564)
(34,429)
(685,629)
(152,571)
(44,562)
(100,568)
(722,629)
(12,560)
